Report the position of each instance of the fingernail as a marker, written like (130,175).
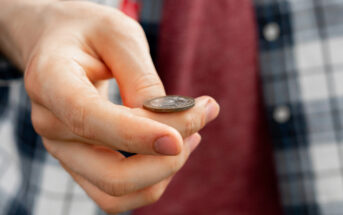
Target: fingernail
(194,141)
(166,146)
(211,111)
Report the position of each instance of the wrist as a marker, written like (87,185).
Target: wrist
(20,27)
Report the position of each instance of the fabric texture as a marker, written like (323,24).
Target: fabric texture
(302,80)
(208,47)
(300,54)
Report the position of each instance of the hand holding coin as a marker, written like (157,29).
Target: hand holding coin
(66,81)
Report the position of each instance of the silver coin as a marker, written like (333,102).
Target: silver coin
(168,104)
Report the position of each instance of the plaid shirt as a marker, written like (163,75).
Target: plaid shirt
(301,57)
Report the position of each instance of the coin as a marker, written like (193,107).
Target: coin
(169,104)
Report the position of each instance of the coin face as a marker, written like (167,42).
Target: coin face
(168,104)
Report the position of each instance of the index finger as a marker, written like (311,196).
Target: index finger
(127,56)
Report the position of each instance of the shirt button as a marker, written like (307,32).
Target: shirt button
(281,114)
(271,31)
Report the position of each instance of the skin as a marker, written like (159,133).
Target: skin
(68,51)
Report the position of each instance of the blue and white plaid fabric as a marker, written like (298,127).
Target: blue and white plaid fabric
(301,58)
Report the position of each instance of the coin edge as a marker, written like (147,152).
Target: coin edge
(169,110)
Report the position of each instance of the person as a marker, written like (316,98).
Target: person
(67,51)
(274,67)
(299,43)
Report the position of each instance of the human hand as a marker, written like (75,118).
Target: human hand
(75,48)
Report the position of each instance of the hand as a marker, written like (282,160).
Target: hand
(76,47)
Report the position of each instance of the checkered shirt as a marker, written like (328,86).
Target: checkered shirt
(301,60)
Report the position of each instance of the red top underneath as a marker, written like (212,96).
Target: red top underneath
(210,48)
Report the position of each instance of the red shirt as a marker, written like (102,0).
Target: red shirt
(210,47)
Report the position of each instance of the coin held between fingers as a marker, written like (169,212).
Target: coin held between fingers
(169,104)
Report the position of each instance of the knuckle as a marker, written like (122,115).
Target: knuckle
(134,33)
(39,124)
(108,20)
(119,20)
(30,83)
(37,72)
(175,164)
(133,26)
(190,125)
(137,28)
(47,146)
(153,195)
(31,79)
(203,120)
(77,115)
(127,137)
(51,149)
(147,82)
(115,187)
